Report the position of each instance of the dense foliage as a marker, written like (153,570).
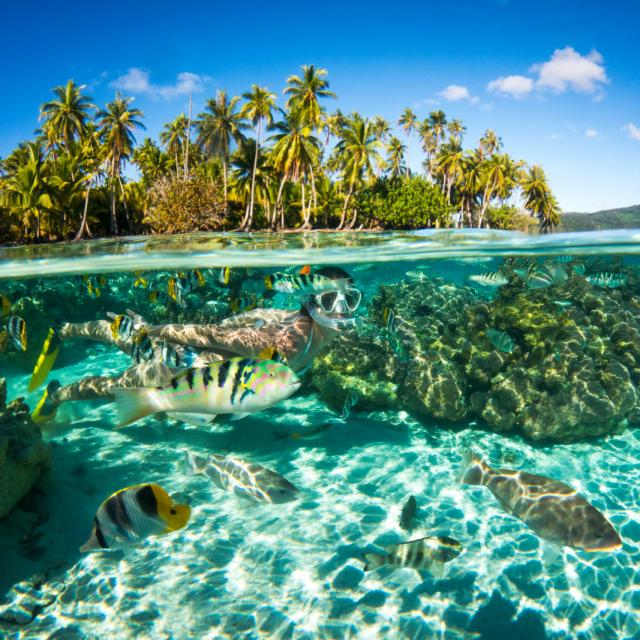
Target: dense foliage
(247,163)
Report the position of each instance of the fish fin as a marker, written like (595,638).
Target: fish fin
(44,411)
(437,570)
(194,419)
(239,416)
(46,359)
(92,544)
(196,463)
(134,404)
(471,468)
(373,561)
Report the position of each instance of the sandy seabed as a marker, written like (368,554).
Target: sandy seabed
(244,570)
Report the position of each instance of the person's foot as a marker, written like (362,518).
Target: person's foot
(46,409)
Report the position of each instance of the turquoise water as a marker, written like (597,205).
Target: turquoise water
(555,393)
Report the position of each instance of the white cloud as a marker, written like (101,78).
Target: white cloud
(591,133)
(455,92)
(632,131)
(567,69)
(138,81)
(516,86)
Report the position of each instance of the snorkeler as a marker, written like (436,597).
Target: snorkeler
(297,336)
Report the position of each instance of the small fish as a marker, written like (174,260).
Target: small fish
(142,349)
(17,331)
(608,280)
(133,514)
(365,266)
(122,327)
(562,303)
(303,284)
(233,278)
(500,340)
(170,356)
(579,269)
(390,321)
(550,508)
(563,259)
(140,280)
(94,285)
(408,512)
(192,280)
(425,553)
(548,276)
(175,293)
(5,306)
(349,403)
(244,479)
(239,386)
(420,276)
(489,279)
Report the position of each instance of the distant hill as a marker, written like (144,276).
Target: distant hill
(624,218)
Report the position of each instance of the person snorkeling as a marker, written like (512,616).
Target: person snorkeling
(296,337)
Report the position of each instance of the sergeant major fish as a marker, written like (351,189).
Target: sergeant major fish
(239,386)
(135,513)
(489,279)
(550,508)
(608,280)
(245,479)
(425,553)
(304,284)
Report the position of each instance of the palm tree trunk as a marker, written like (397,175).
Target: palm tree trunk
(279,203)
(83,224)
(344,208)
(304,211)
(224,178)
(314,195)
(253,177)
(124,202)
(186,147)
(485,205)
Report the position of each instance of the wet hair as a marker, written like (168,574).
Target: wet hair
(335,273)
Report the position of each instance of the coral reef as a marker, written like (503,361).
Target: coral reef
(24,456)
(569,370)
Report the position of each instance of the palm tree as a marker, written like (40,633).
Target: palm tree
(218,128)
(429,144)
(356,153)
(305,93)
(538,199)
(395,157)
(65,118)
(174,138)
(152,161)
(295,151)
(249,177)
(117,123)
(381,128)
(456,130)
(438,123)
(92,156)
(500,176)
(26,192)
(449,165)
(490,143)
(258,108)
(408,121)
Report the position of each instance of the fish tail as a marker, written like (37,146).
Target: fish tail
(373,561)
(134,404)
(196,463)
(46,359)
(472,468)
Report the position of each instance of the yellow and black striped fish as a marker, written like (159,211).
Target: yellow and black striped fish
(17,330)
(142,348)
(46,359)
(135,513)
(122,327)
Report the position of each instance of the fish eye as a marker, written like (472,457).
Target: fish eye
(173,512)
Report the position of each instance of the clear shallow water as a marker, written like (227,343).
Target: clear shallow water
(241,570)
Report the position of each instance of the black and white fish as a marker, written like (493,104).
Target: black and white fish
(122,327)
(133,514)
(349,403)
(142,350)
(608,280)
(489,279)
(304,284)
(425,553)
(245,479)
(17,331)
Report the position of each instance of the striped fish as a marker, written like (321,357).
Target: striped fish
(17,330)
(133,514)
(245,479)
(177,357)
(175,292)
(608,280)
(239,386)
(303,284)
(142,349)
(489,279)
(424,553)
(122,327)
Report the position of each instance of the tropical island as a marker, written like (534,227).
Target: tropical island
(246,163)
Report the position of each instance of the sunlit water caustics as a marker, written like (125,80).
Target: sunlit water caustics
(242,433)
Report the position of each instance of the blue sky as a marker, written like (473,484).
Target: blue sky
(558,80)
